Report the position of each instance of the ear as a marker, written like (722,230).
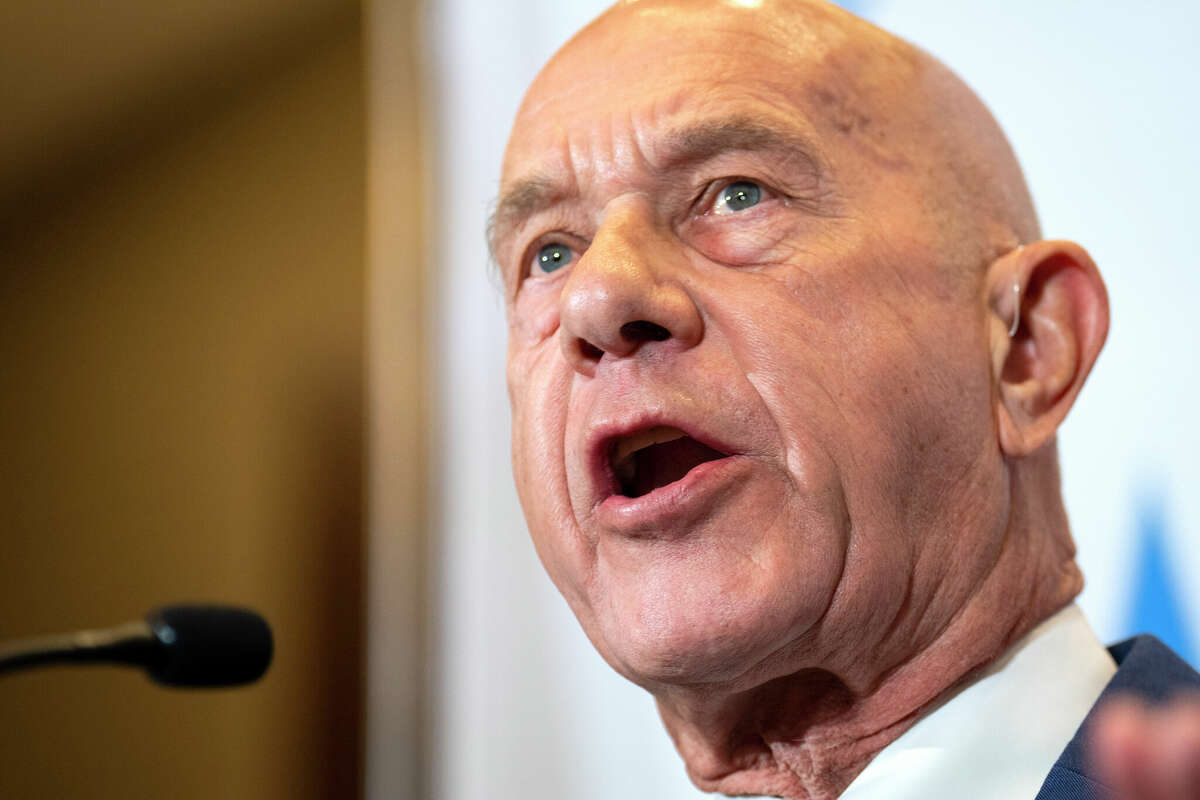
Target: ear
(1061,311)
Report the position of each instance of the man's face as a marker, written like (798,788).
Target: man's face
(750,410)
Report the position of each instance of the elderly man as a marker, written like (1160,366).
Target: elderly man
(787,356)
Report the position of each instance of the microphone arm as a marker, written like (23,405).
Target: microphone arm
(129,644)
(190,646)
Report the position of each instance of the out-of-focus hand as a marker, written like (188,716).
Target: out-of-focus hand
(1147,753)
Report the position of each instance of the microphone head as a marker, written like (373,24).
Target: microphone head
(209,646)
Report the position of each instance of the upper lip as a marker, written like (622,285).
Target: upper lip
(604,436)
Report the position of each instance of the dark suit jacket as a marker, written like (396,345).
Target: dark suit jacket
(1145,667)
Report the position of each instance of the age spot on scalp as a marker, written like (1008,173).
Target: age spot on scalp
(858,102)
(845,119)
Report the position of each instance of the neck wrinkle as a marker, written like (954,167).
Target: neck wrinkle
(806,736)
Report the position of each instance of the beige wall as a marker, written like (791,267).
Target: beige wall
(182,412)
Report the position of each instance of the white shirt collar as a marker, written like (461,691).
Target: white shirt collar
(998,738)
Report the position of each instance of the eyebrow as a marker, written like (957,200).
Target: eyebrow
(679,148)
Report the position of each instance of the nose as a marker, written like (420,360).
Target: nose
(625,293)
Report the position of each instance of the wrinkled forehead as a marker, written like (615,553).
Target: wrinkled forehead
(648,67)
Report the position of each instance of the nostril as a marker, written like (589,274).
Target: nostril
(643,331)
(589,351)
(631,336)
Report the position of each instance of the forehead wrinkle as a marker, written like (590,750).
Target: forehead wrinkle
(632,148)
(679,147)
(541,190)
(608,157)
(706,139)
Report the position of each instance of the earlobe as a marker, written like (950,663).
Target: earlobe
(1045,336)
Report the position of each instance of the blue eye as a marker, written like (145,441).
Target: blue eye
(737,196)
(553,257)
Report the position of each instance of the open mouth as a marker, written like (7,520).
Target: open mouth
(655,457)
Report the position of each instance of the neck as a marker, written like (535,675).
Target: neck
(806,735)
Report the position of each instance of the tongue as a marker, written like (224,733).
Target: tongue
(660,464)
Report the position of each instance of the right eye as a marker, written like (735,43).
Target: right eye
(552,257)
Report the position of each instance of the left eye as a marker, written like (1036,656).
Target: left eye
(737,196)
(553,257)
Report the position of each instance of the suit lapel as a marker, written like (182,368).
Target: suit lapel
(1146,668)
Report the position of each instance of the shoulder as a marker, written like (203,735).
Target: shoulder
(1146,668)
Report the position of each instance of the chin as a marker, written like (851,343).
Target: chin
(689,660)
(696,637)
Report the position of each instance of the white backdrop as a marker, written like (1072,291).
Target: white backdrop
(1100,105)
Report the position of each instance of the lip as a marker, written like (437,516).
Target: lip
(668,510)
(668,507)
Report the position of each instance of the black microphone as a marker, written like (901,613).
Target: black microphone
(186,645)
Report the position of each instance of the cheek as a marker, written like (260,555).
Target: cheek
(538,398)
(533,316)
(539,392)
(538,386)
(866,385)
(870,407)
(789,334)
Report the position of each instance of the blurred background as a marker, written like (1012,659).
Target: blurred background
(250,354)
(183,315)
